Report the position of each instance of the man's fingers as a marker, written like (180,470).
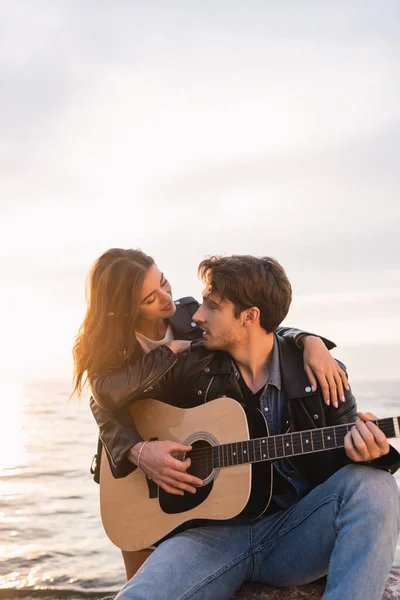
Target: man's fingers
(168,488)
(350,449)
(178,465)
(311,377)
(177,447)
(362,428)
(379,437)
(183,477)
(180,485)
(368,440)
(175,484)
(370,432)
(359,443)
(367,416)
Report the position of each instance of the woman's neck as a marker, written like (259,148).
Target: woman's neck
(154,330)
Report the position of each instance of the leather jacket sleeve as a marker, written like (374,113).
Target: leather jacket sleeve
(118,434)
(292,335)
(116,390)
(117,429)
(348,413)
(109,403)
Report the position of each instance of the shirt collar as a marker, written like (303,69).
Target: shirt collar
(275,369)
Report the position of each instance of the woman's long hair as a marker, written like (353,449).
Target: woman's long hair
(106,339)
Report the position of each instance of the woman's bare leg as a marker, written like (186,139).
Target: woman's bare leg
(134,560)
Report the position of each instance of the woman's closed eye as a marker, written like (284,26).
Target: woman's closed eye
(153,297)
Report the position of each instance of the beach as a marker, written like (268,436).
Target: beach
(52,543)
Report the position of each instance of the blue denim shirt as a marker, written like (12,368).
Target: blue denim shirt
(271,404)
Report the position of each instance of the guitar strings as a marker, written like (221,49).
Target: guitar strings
(200,451)
(207,461)
(206,453)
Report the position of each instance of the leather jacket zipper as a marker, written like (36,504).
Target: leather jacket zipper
(208,389)
(161,374)
(108,453)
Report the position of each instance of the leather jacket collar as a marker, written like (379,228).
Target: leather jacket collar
(294,378)
(182,322)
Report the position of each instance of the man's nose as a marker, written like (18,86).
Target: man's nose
(198,316)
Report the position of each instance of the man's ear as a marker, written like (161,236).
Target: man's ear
(251,316)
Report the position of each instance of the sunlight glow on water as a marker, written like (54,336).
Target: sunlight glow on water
(12,436)
(14,579)
(51,536)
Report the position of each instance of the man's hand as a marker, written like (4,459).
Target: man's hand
(365,441)
(165,470)
(320,364)
(178,346)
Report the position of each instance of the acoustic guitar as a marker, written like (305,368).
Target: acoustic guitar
(230,453)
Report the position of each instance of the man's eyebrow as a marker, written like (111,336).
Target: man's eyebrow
(206,298)
(154,291)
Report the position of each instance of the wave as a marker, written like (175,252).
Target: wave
(55,594)
(20,473)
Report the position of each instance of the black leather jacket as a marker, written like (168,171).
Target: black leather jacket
(198,376)
(117,429)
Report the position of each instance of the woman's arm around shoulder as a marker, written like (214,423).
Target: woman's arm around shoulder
(319,364)
(117,389)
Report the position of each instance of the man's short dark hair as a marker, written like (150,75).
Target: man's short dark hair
(250,281)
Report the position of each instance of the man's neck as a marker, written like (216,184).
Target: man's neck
(253,359)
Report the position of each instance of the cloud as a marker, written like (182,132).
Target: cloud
(369,158)
(196,128)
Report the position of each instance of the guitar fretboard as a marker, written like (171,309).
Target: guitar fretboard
(292,444)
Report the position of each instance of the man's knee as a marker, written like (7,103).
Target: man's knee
(376,489)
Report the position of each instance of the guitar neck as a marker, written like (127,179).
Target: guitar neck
(292,444)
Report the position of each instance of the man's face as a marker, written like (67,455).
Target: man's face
(221,329)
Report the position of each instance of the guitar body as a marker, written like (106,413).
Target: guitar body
(136,513)
(231,453)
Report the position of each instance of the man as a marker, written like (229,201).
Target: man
(332,512)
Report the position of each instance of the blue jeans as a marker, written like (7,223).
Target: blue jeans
(346,528)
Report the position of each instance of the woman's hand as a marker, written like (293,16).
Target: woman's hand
(178,346)
(157,462)
(320,365)
(365,441)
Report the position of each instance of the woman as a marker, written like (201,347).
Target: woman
(132,322)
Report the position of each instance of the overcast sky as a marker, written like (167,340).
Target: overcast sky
(193,128)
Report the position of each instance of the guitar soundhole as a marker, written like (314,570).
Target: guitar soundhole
(201,466)
(201,457)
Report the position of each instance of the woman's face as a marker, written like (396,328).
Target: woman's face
(156,297)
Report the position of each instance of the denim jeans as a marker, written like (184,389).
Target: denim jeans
(346,527)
